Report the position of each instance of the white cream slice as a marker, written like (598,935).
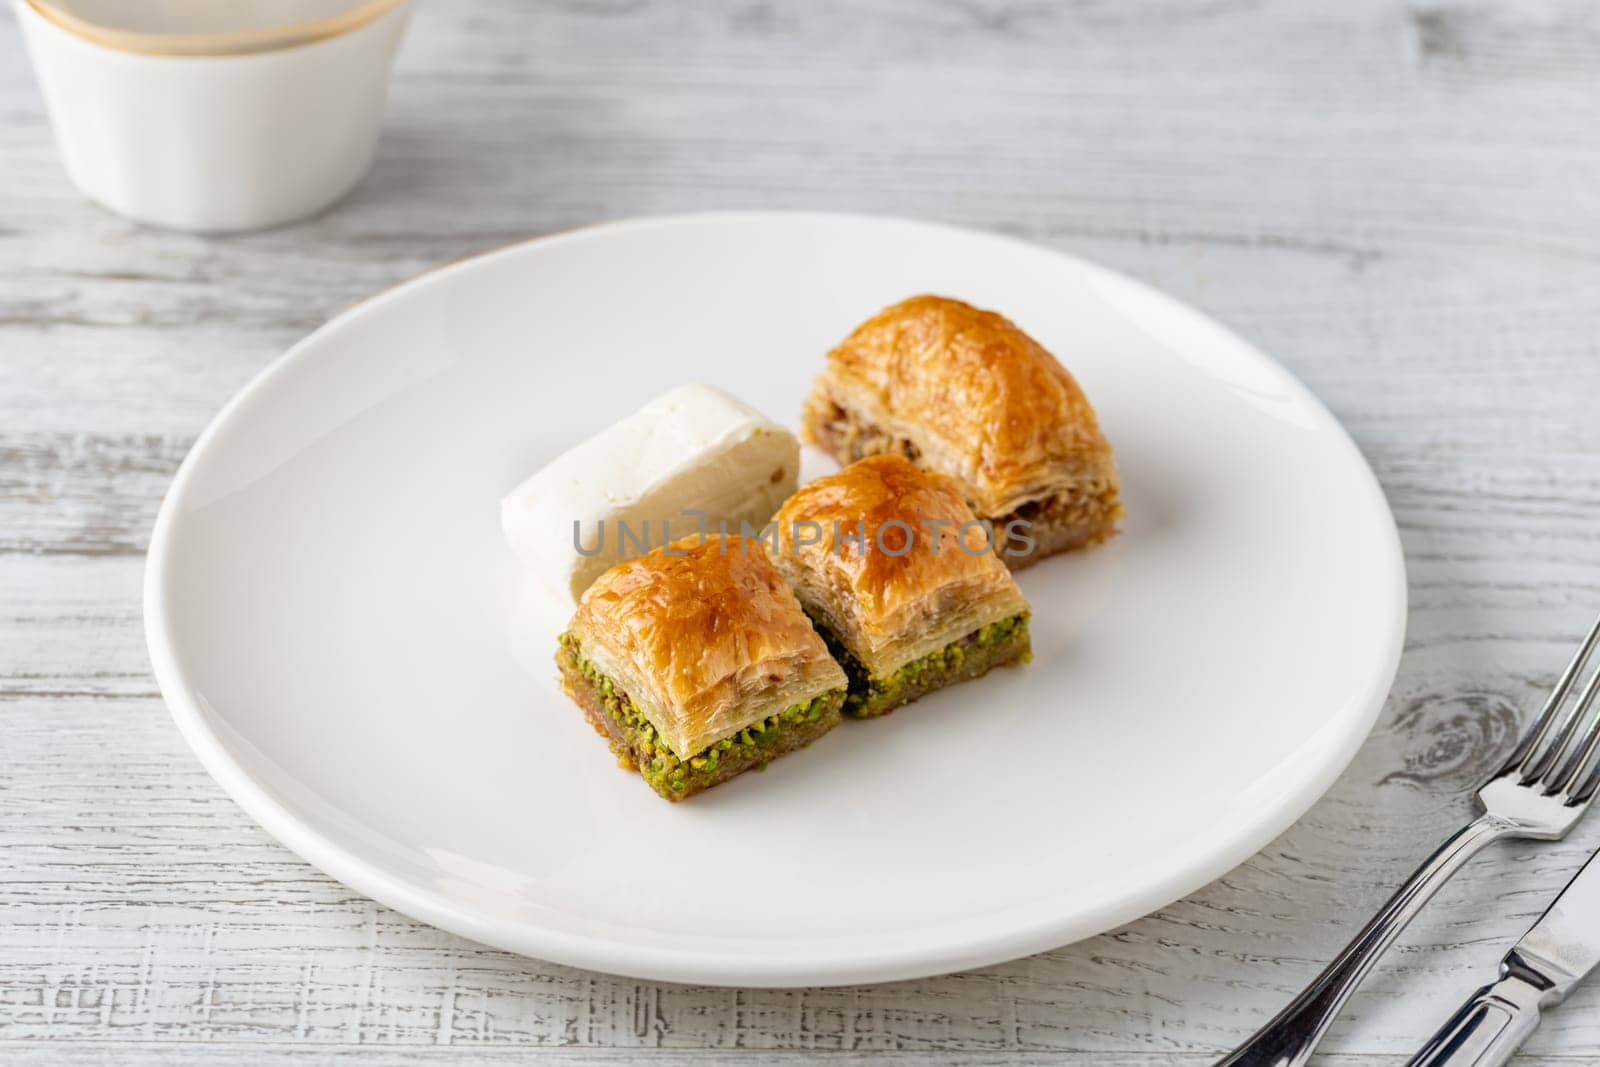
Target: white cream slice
(694,449)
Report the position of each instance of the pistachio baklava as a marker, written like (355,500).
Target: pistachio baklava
(965,392)
(696,663)
(901,580)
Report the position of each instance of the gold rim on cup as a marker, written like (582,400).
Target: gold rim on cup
(240,42)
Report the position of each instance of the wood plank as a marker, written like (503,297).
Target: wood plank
(132,1054)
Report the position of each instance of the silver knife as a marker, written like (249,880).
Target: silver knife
(1546,965)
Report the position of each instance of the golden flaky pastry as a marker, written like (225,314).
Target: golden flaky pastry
(963,391)
(705,638)
(897,566)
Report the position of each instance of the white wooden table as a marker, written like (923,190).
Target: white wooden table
(1399,201)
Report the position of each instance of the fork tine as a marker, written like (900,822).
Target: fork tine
(1585,792)
(1523,758)
(1545,767)
(1587,747)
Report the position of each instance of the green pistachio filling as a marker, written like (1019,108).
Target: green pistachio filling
(927,672)
(660,766)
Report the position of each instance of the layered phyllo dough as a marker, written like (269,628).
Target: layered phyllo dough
(697,663)
(692,460)
(965,392)
(901,579)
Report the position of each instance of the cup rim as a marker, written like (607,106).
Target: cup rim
(215,44)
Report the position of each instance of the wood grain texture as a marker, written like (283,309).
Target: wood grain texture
(1397,200)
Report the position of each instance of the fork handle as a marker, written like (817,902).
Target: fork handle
(1287,1041)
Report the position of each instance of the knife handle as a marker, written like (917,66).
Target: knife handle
(1492,1024)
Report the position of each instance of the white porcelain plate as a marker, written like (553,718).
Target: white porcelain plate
(330,606)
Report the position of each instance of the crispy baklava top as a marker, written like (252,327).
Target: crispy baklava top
(892,560)
(978,398)
(705,637)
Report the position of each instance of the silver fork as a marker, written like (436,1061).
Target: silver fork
(1540,792)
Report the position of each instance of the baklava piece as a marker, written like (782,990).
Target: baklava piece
(964,392)
(900,578)
(696,663)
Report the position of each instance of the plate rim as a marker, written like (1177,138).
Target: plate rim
(709,967)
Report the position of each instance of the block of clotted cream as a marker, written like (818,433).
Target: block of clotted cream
(695,448)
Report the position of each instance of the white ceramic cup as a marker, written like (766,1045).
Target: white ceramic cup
(215,143)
